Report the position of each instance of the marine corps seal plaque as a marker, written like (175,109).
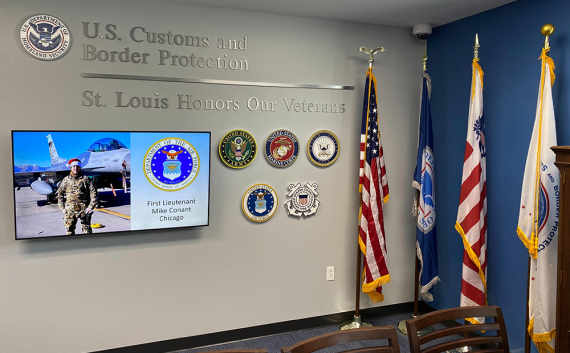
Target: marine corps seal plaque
(171,164)
(323,148)
(282,148)
(237,149)
(259,202)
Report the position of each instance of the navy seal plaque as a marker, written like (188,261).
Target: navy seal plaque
(237,149)
(45,37)
(323,148)
(303,200)
(259,202)
(171,164)
(282,148)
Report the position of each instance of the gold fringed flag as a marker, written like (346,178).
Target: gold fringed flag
(472,212)
(374,189)
(538,215)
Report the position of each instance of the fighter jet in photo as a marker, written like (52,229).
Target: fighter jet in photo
(105,161)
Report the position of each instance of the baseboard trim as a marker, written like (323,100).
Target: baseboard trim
(266,330)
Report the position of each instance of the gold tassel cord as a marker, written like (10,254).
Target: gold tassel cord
(472,256)
(476,67)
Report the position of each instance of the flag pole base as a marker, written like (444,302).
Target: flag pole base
(355,323)
(464,349)
(403,329)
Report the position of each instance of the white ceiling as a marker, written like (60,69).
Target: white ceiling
(402,13)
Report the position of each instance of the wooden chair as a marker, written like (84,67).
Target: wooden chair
(262,350)
(338,337)
(414,325)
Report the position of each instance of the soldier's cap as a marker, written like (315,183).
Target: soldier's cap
(74,161)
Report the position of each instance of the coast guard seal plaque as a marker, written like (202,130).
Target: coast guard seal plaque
(259,202)
(171,164)
(282,148)
(303,200)
(237,149)
(45,37)
(323,148)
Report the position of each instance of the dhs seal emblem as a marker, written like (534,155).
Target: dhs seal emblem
(303,200)
(282,148)
(45,37)
(426,212)
(543,207)
(237,149)
(323,148)
(259,202)
(171,164)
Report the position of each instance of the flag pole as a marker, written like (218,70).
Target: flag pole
(402,325)
(357,321)
(546,31)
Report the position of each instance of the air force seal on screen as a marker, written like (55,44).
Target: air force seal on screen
(303,200)
(45,37)
(323,148)
(259,202)
(282,148)
(171,164)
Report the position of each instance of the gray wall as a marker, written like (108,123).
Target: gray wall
(93,293)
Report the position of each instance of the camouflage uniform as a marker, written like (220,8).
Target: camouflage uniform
(74,195)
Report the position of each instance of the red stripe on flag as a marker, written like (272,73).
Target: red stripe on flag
(471,220)
(467,262)
(473,293)
(468,151)
(471,182)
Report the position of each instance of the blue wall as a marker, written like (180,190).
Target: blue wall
(510,46)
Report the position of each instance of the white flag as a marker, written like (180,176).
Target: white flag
(538,217)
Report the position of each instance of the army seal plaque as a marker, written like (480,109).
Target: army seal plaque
(237,149)
(45,37)
(259,202)
(323,148)
(282,148)
(171,164)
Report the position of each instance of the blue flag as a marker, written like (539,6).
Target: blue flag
(424,181)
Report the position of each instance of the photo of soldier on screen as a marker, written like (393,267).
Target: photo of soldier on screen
(85,180)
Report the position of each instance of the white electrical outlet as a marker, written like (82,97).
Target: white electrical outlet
(330,273)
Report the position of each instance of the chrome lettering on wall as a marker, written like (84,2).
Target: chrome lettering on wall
(179,56)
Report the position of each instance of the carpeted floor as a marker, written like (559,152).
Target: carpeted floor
(274,343)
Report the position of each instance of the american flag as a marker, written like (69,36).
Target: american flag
(472,212)
(374,192)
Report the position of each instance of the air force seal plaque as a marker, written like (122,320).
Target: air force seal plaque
(282,148)
(323,148)
(171,164)
(259,202)
(303,200)
(45,37)
(237,149)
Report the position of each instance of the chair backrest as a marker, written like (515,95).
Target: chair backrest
(262,350)
(420,322)
(359,334)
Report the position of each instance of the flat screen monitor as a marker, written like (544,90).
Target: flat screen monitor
(97,182)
